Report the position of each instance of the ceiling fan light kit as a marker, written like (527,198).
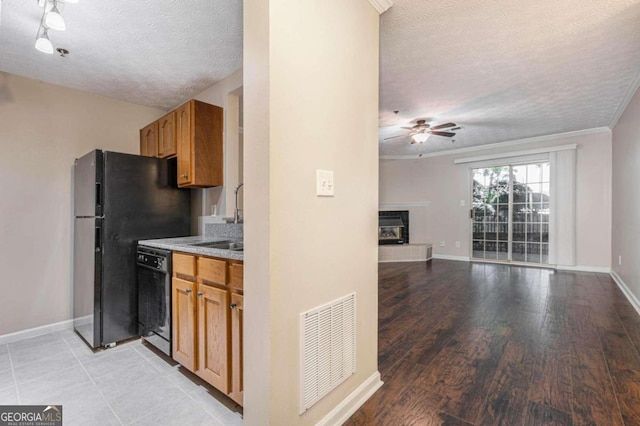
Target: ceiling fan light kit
(422,131)
(51,20)
(419,138)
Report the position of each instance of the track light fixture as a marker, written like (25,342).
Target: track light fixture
(43,43)
(51,20)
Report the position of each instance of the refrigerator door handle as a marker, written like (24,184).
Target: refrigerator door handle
(98,239)
(98,196)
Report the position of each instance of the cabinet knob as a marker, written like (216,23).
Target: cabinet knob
(199,293)
(188,291)
(184,176)
(233,306)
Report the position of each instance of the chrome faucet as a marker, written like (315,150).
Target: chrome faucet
(236,211)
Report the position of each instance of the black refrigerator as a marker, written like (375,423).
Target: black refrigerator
(118,200)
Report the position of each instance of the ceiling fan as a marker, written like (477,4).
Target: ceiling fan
(421,131)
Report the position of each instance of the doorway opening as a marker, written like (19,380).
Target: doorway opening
(510,213)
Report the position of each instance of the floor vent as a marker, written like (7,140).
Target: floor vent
(327,348)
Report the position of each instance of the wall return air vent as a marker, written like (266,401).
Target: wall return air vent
(327,348)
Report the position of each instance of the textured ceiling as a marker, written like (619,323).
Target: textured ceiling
(504,69)
(156,53)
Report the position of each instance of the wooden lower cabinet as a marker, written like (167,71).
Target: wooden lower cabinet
(207,320)
(184,322)
(213,336)
(237,313)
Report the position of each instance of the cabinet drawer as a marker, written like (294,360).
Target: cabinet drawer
(184,264)
(212,270)
(236,275)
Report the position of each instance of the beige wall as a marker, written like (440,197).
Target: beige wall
(626,198)
(440,184)
(224,94)
(43,128)
(311,102)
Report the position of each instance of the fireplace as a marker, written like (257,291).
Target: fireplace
(393,227)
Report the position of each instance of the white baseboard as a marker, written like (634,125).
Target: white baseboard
(450,257)
(38,331)
(630,296)
(601,269)
(402,260)
(579,268)
(352,402)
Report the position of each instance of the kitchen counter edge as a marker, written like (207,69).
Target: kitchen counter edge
(187,245)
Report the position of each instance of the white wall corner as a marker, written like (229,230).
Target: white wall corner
(627,292)
(352,402)
(381,5)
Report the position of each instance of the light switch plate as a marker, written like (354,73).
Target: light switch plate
(324,183)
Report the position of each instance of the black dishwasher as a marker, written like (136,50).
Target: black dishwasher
(154,297)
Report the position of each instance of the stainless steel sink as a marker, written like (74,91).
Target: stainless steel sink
(222,245)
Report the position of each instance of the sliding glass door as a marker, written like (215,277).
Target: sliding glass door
(510,214)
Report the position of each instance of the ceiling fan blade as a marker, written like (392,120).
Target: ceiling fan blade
(443,126)
(393,137)
(447,134)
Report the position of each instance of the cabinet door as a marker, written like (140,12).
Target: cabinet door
(237,314)
(185,146)
(213,336)
(167,136)
(149,140)
(184,323)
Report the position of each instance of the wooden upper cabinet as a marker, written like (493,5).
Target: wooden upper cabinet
(167,135)
(199,142)
(149,140)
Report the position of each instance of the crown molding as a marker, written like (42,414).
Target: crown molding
(381,5)
(506,144)
(515,153)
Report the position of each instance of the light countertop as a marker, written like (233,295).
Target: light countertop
(186,245)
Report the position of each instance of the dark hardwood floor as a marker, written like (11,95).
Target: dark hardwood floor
(483,344)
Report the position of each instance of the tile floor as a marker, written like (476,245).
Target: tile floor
(130,384)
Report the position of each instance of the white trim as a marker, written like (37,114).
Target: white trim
(381,5)
(405,204)
(580,268)
(352,402)
(35,332)
(451,257)
(600,269)
(515,153)
(500,145)
(631,91)
(630,296)
(513,263)
(404,260)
